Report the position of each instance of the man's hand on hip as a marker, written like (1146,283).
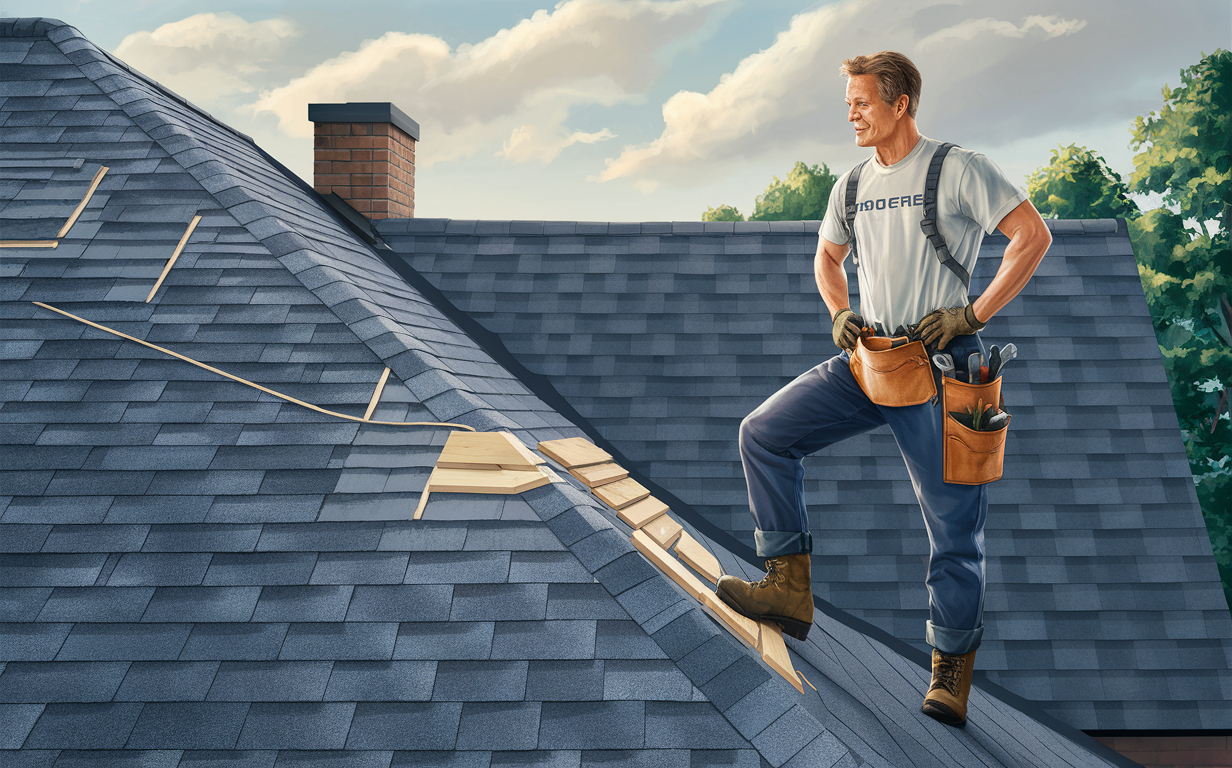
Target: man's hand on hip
(939,328)
(847,328)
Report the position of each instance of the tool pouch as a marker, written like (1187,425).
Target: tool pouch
(893,375)
(972,457)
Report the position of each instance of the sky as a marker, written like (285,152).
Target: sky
(654,110)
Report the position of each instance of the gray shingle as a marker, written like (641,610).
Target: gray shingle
(188,725)
(234,642)
(167,681)
(123,642)
(270,681)
(303,603)
(159,569)
(381,681)
(592,725)
(399,725)
(401,602)
(452,640)
(347,641)
(559,680)
(296,726)
(480,681)
(38,682)
(202,604)
(360,568)
(263,568)
(499,725)
(689,725)
(499,602)
(83,726)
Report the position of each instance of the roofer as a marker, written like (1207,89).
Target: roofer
(919,210)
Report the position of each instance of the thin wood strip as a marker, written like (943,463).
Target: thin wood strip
(697,557)
(98,177)
(171,262)
(642,512)
(774,653)
(376,394)
(29,243)
(233,377)
(423,500)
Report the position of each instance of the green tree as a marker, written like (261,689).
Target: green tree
(803,195)
(722,213)
(1078,184)
(1185,263)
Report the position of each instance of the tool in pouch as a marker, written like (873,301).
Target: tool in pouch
(899,372)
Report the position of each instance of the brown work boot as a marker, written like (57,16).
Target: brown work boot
(946,699)
(783,597)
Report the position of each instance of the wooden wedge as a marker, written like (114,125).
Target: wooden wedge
(574,452)
(641,512)
(664,530)
(448,480)
(774,653)
(621,493)
(596,475)
(698,558)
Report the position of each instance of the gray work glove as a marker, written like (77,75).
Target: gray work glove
(939,328)
(847,328)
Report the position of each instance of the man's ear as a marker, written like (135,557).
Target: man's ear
(900,106)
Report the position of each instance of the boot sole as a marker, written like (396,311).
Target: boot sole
(943,714)
(793,627)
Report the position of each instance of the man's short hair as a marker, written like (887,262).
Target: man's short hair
(895,74)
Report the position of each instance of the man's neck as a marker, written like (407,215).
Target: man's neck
(899,145)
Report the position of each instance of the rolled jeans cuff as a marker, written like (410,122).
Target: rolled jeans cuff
(778,543)
(953,641)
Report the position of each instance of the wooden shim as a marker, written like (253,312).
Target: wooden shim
(742,627)
(472,465)
(376,394)
(423,502)
(599,474)
(471,448)
(698,558)
(641,512)
(663,529)
(774,653)
(171,261)
(692,585)
(246,382)
(448,480)
(72,219)
(29,243)
(574,452)
(621,493)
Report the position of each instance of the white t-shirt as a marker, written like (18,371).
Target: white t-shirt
(901,280)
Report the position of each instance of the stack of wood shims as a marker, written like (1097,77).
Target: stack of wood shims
(484,462)
(655,532)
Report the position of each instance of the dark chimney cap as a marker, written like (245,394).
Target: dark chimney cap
(363,112)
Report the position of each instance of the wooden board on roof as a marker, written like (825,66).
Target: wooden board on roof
(574,452)
(599,474)
(470,450)
(621,493)
(451,480)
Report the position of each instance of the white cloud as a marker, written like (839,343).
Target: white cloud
(513,90)
(1031,69)
(207,56)
(537,142)
(1048,26)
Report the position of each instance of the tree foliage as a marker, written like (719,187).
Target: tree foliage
(804,194)
(1185,262)
(1078,184)
(722,213)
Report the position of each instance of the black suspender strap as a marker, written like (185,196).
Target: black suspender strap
(849,210)
(929,223)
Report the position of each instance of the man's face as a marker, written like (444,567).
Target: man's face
(874,120)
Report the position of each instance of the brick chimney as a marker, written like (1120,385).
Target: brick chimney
(365,152)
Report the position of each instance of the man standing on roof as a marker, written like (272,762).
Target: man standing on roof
(913,281)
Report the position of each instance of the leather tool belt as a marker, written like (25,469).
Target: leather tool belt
(893,371)
(972,457)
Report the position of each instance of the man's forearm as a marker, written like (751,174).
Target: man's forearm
(1029,241)
(831,283)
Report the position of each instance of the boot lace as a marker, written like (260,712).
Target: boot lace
(947,672)
(774,574)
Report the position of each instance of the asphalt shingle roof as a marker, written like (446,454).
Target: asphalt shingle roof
(198,572)
(1103,600)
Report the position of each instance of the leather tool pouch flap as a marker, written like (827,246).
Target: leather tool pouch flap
(890,375)
(972,457)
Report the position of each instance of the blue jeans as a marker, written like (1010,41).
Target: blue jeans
(825,405)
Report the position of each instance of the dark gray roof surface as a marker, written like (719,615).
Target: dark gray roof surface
(1103,598)
(193,571)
